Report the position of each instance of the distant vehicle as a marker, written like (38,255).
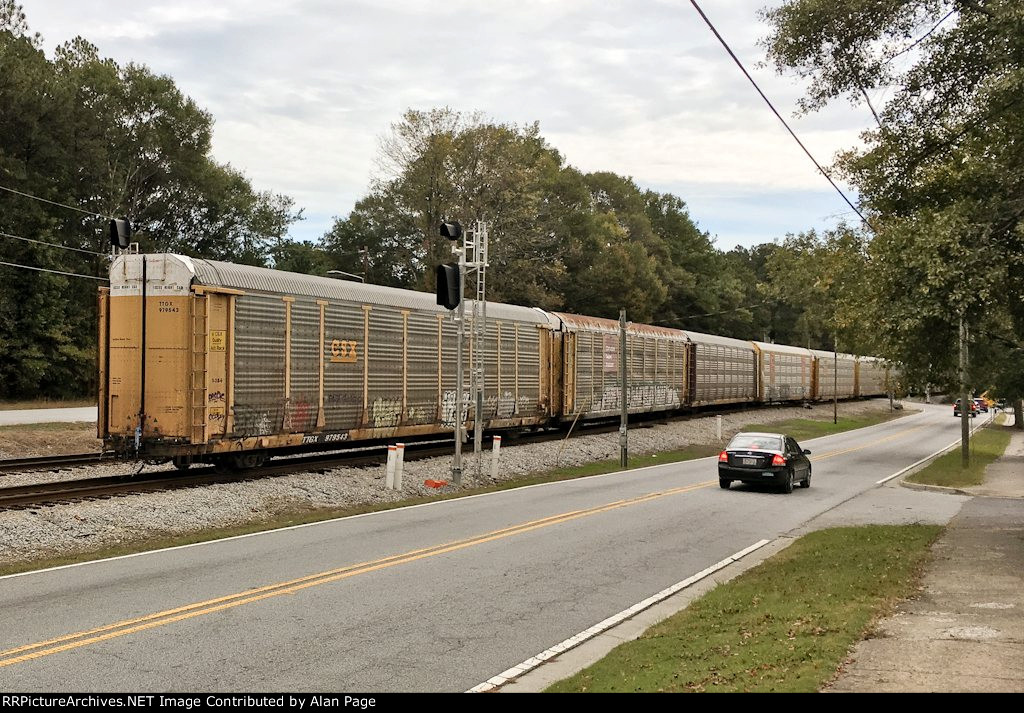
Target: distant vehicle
(982,405)
(956,409)
(764,458)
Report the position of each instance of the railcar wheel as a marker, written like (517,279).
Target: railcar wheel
(247,460)
(181,463)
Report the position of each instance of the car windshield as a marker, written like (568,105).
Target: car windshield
(757,443)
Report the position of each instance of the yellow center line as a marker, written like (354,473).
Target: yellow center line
(210,606)
(899,434)
(131,626)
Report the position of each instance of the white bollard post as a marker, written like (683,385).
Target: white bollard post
(389,480)
(494,457)
(718,426)
(399,466)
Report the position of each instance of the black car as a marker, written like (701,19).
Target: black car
(764,458)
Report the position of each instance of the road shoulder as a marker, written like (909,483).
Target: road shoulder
(965,632)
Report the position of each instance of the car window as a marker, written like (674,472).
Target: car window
(763,443)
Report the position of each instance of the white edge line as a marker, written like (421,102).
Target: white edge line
(933,455)
(390,511)
(603,626)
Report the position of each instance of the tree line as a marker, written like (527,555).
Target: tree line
(940,185)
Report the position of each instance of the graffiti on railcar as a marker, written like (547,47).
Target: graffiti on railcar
(506,406)
(639,396)
(448,406)
(386,412)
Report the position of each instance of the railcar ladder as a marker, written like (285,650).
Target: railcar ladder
(197,379)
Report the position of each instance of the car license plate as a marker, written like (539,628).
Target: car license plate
(750,461)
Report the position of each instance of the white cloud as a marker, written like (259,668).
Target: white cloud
(302,89)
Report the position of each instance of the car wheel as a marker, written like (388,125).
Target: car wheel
(724,484)
(787,487)
(807,480)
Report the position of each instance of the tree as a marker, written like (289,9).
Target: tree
(943,174)
(101,140)
(826,278)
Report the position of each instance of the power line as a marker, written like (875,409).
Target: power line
(45,200)
(56,272)
(55,245)
(922,38)
(777,114)
(710,314)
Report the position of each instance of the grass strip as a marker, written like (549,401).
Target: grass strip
(986,446)
(803,429)
(291,517)
(784,626)
(45,403)
(54,426)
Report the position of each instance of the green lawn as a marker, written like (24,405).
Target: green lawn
(803,429)
(785,625)
(986,445)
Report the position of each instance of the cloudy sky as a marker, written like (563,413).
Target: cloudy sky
(301,91)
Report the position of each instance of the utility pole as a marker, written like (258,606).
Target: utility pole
(965,401)
(624,416)
(835,378)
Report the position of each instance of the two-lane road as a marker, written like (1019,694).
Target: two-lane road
(435,597)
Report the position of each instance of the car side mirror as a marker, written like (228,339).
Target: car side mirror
(806,452)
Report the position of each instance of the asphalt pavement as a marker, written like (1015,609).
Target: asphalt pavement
(436,597)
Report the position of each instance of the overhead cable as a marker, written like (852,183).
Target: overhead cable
(54,245)
(46,200)
(56,272)
(777,114)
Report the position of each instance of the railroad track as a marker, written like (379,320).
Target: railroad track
(48,493)
(11,465)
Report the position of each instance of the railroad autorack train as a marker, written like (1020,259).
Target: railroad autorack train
(205,361)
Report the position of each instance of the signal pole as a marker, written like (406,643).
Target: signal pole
(472,257)
(476,243)
(460,422)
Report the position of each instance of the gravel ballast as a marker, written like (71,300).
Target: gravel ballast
(71,528)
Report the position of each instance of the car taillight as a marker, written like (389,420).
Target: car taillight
(723,457)
(778,460)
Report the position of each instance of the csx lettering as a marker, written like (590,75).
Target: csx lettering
(343,351)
